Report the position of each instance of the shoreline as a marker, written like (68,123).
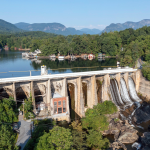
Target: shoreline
(67,57)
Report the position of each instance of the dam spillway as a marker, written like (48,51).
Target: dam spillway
(124,97)
(124,93)
(52,90)
(132,90)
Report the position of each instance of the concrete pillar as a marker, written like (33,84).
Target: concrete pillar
(68,110)
(14,92)
(106,88)
(48,94)
(80,108)
(65,87)
(137,80)
(89,85)
(118,79)
(33,98)
(94,92)
(126,79)
(51,107)
(76,98)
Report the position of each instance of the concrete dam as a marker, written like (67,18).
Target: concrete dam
(60,95)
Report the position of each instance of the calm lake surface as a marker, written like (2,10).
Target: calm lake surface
(13,65)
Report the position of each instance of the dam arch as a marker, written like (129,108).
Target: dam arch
(22,92)
(71,96)
(40,92)
(6,92)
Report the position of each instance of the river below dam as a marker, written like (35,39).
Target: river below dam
(13,65)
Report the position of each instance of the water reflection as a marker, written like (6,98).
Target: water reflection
(13,63)
(77,65)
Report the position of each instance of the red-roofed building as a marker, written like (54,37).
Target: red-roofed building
(6,48)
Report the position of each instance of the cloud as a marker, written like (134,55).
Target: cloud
(100,27)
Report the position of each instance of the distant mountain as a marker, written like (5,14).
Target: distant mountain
(126,25)
(8,27)
(56,28)
(90,31)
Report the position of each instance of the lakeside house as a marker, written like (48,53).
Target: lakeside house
(38,51)
(31,54)
(6,48)
(91,56)
(100,55)
(61,57)
(15,48)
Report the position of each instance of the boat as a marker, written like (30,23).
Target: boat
(61,57)
(25,54)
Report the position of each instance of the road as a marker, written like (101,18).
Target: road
(139,63)
(25,132)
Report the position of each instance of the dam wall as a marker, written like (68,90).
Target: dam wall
(52,95)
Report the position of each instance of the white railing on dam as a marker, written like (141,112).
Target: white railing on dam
(66,75)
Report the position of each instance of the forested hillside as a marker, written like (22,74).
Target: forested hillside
(128,44)
(6,27)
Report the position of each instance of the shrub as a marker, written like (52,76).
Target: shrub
(95,140)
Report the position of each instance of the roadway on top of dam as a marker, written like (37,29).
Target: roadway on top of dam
(65,75)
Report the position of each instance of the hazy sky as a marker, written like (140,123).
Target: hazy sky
(75,13)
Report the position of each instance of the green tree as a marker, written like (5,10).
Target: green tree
(8,110)
(95,118)
(28,108)
(58,138)
(79,141)
(7,137)
(95,140)
(78,135)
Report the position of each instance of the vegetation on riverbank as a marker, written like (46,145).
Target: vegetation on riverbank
(8,111)
(146,70)
(28,108)
(80,135)
(8,115)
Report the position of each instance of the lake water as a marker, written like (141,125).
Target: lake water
(13,65)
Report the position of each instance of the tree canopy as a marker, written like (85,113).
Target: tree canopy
(128,44)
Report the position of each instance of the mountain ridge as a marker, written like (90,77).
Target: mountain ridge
(126,25)
(60,29)
(90,31)
(56,28)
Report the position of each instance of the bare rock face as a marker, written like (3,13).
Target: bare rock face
(123,132)
(117,145)
(129,136)
(142,114)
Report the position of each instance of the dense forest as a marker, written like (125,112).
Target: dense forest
(128,44)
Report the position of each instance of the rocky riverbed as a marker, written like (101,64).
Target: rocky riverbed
(130,128)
